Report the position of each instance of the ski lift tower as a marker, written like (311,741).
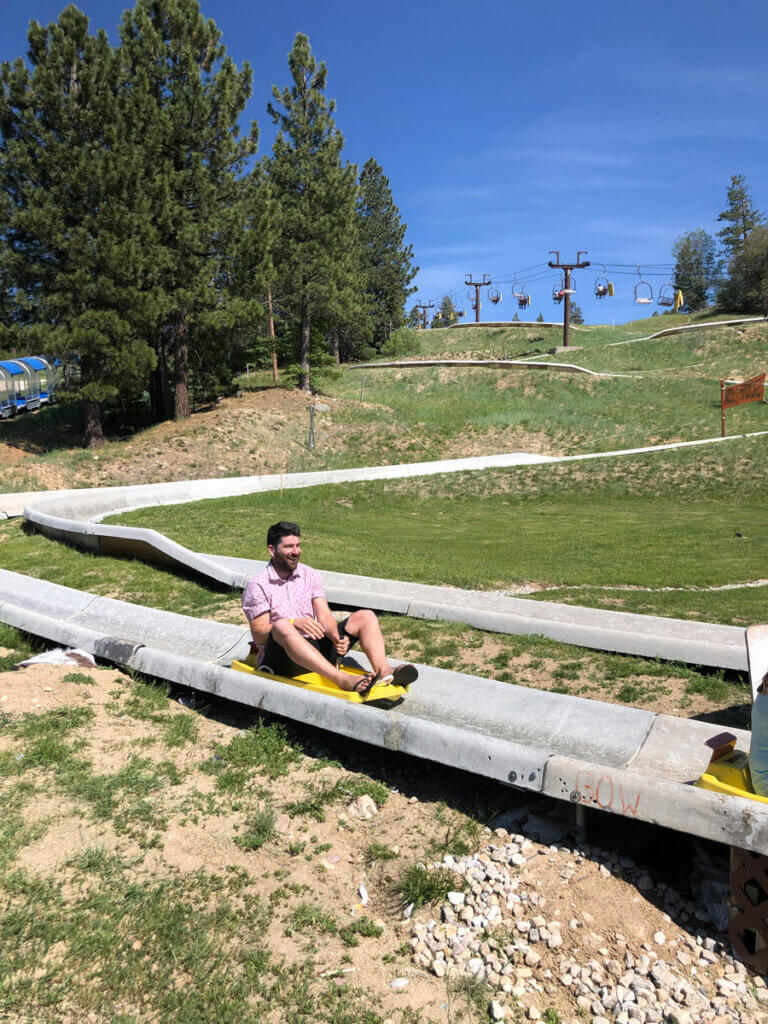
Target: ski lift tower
(568,290)
(477,285)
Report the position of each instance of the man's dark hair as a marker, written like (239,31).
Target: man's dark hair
(277,531)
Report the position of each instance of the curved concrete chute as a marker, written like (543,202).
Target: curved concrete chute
(487,364)
(622,760)
(75,516)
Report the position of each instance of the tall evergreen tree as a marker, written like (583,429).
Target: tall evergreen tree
(697,267)
(193,153)
(740,215)
(316,193)
(75,227)
(746,288)
(387,261)
(446,313)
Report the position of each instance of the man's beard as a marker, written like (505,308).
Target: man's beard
(282,564)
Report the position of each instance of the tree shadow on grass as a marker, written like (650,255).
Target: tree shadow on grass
(60,426)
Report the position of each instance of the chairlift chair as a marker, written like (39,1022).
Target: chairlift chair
(643,291)
(667,294)
(558,291)
(461,312)
(603,286)
(524,300)
(494,296)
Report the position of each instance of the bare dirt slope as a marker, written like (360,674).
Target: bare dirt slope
(146,796)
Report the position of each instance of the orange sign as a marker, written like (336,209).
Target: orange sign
(752,390)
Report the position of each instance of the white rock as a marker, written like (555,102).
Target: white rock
(659,938)
(456,899)
(363,808)
(498,1010)
(399,984)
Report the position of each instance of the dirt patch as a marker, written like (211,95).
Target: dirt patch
(313,868)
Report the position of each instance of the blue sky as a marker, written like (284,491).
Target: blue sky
(514,128)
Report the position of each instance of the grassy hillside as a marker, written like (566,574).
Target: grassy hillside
(670,392)
(686,519)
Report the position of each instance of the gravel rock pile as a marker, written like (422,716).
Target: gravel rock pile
(502,926)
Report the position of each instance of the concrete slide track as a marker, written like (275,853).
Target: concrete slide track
(621,760)
(74,516)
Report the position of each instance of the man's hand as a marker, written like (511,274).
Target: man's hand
(341,645)
(309,627)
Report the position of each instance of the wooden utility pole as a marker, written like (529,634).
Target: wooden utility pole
(477,285)
(424,306)
(568,291)
(272,334)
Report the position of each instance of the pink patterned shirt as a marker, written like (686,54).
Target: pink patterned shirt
(283,599)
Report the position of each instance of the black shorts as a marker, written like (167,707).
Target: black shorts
(276,658)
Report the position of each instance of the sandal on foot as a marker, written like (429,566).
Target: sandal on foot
(403,675)
(366,684)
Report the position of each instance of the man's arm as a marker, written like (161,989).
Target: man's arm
(260,627)
(324,616)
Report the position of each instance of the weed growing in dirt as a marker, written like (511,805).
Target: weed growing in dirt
(181,729)
(265,746)
(311,918)
(79,678)
(313,805)
(419,885)
(378,851)
(472,994)
(259,829)
(364,927)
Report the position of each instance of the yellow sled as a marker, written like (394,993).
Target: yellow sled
(387,694)
(730,774)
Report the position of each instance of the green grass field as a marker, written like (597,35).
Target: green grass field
(686,518)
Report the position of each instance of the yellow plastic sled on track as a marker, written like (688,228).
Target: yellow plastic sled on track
(730,774)
(380,695)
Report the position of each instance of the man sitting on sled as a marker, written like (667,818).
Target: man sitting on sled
(293,628)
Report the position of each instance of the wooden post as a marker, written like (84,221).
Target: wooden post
(722,408)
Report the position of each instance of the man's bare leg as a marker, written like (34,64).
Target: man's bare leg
(304,654)
(364,625)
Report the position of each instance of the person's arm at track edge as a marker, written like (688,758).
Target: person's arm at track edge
(330,627)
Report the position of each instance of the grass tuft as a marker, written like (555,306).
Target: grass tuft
(419,885)
(265,745)
(259,829)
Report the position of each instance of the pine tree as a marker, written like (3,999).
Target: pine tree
(741,217)
(697,267)
(446,313)
(75,226)
(577,316)
(316,193)
(413,319)
(387,261)
(193,153)
(540,318)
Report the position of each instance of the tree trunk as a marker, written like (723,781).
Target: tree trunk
(304,351)
(181,370)
(92,425)
(272,335)
(335,346)
(159,388)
